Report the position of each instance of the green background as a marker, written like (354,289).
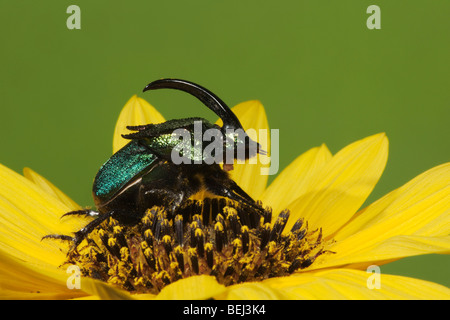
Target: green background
(321,74)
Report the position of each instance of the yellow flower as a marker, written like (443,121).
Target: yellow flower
(324,190)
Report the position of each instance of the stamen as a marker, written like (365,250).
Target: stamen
(209,254)
(180,257)
(179,229)
(194,259)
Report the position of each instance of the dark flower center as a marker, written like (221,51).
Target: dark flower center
(231,241)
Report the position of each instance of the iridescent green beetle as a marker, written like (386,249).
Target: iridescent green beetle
(144,174)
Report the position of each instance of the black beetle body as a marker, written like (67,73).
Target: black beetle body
(142,174)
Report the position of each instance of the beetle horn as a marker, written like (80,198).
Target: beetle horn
(209,99)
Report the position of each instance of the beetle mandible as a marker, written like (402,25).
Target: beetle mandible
(142,174)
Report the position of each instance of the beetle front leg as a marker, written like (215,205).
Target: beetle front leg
(80,235)
(225,187)
(84,212)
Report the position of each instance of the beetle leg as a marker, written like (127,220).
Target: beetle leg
(229,189)
(173,199)
(81,234)
(170,192)
(85,212)
(58,236)
(177,200)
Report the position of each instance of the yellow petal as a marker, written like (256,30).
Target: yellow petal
(51,189)
(342,186)
(356,285)
(38,208)
(359,256)
(20,280)
(419,207)
(249,175)
(412,220)
(136,111)
(295,180)
(27,213)
(192,288)
(252,291)
(103,291)
(18,241)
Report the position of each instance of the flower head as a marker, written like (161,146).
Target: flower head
(312,241)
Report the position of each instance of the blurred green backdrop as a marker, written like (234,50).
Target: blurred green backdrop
(322,75)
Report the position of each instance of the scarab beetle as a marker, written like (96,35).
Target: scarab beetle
(143,174)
